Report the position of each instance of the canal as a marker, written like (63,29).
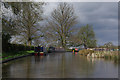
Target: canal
(59,65)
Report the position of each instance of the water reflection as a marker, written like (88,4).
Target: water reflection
(60,65)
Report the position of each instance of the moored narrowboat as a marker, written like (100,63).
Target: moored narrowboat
(40,50)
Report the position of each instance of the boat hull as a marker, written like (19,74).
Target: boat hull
(40,54)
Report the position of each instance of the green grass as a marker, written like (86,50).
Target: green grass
(13,54)
(0,54)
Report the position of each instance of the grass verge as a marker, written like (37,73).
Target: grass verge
(13,54)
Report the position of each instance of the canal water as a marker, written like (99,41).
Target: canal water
(60,65)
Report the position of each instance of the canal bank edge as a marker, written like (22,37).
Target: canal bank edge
(10,59)
(4,61)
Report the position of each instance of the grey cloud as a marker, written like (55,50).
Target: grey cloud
(103,16)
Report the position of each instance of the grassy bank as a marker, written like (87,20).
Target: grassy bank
(8,55)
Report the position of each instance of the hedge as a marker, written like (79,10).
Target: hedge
(16,47)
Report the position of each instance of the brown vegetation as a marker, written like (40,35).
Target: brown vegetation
(86,52)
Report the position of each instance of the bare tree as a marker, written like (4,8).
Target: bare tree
(61,23)
(74,41)
(27,19)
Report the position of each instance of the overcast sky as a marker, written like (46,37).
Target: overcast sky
(103,16)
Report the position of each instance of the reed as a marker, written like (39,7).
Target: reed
(111,55)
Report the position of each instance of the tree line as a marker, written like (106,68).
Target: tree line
(21,26)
